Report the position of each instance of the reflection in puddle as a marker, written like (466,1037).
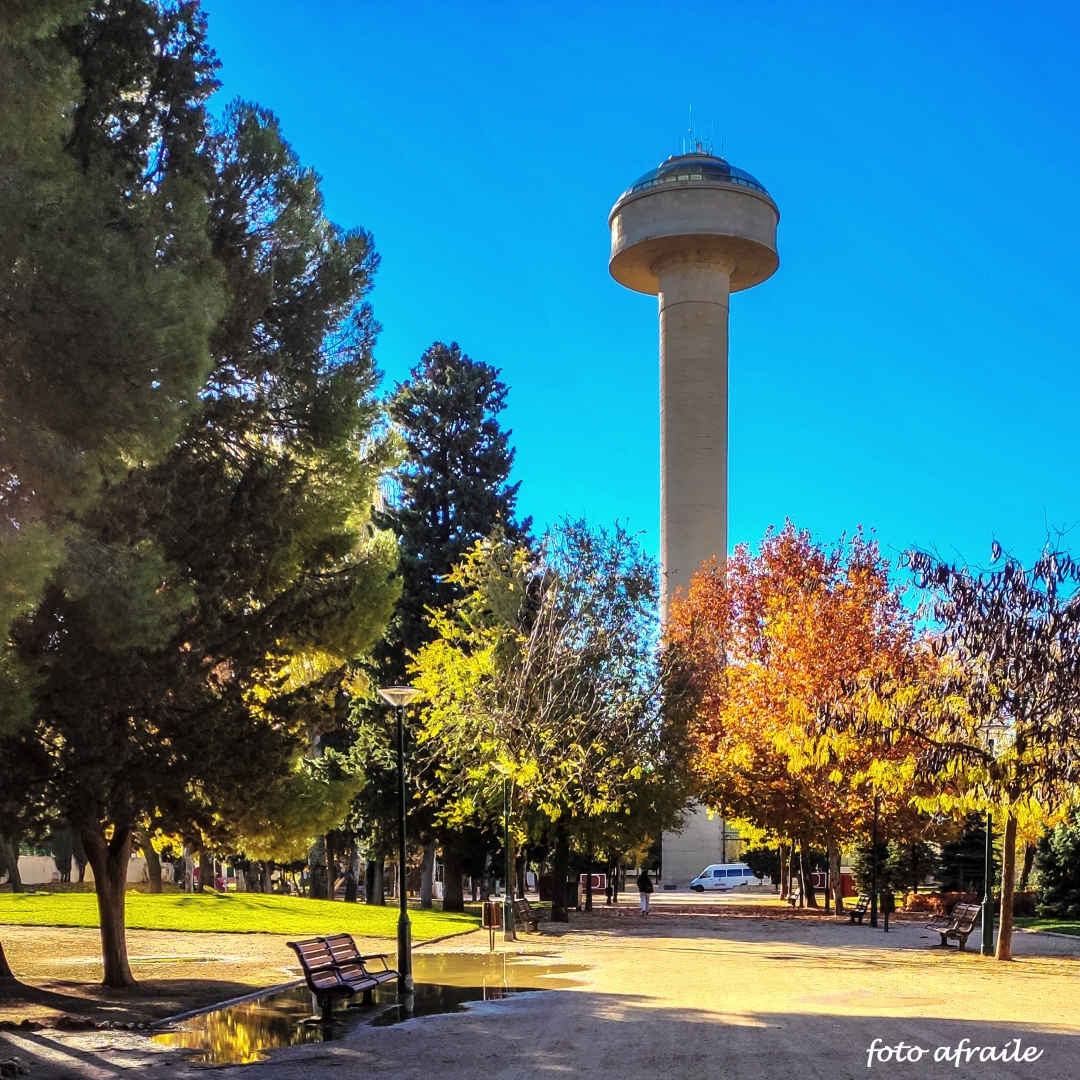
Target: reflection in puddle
(445,982)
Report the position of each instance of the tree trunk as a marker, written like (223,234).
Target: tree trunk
(331,869)
(560,864)
(241,879)
(427,876)
(522,870)
(453,896)
(153,862)
(1003,951)
(109,861)
(1029,861)
(783,872)
(10,849)
(206,871)
(588,876)
(5,968)
(352,871)
(378,880)
(317,869)
(806,876)
(834,875)
(267,878)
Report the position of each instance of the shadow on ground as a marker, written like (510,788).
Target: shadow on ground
(152,999)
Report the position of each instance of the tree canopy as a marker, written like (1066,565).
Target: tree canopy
(194,637)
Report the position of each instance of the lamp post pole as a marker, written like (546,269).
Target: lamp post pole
(873,877)
(404,927)
(508,887)
(986,947)
(994,732)
(400,696)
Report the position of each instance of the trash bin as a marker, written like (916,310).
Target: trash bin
(492,919)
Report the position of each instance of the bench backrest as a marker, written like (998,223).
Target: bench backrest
(863,903)
(342,948)
(965,915)
(317,962)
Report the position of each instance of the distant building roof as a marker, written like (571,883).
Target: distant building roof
(686,168)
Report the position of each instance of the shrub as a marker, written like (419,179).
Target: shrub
(1058,861)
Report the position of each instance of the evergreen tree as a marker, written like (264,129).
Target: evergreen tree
(963,860)
(108,286)
(195,703)
(1058,861)
(455,486)
(454,491)
(910,863)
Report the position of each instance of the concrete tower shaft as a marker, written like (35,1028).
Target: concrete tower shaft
(692,232)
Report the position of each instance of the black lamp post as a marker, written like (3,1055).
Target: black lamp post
(400,696)
(508,887)
(873,878)
(986,944)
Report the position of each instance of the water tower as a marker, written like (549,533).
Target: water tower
(692,231)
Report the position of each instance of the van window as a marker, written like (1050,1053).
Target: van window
(718,873)
(749,873)
(734,873)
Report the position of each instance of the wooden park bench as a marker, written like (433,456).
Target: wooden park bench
(326,980)
(959,925)
(862,906)
(351,963)
(526,915)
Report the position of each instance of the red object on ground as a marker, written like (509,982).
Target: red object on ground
(847,882)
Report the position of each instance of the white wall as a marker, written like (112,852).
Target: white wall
(686,853)
(41,870)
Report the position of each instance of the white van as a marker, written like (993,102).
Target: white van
(724,876)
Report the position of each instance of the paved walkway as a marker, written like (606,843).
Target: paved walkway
(695,996)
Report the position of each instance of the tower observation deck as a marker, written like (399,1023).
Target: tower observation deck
(692,231)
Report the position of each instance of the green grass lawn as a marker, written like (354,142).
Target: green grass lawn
(232,913)
(1053,926)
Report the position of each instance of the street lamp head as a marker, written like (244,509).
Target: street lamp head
(398,695)
(994,735)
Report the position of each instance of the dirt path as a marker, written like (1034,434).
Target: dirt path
(691,996)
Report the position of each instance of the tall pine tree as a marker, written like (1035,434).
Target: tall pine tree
(198,629)
(454,490)
(455,485)
(109,291)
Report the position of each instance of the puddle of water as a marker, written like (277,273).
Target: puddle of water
(241,1034)
(88,960)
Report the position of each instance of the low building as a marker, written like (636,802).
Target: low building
(703,840)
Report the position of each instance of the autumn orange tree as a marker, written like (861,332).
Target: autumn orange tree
(764,653)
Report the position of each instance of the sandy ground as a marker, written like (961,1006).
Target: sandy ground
(176,972)
(722,991)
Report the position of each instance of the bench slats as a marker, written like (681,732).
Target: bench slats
(524,913)
(327,979)
(352,964)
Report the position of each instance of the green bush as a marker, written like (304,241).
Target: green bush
(1058,862)
(764,862)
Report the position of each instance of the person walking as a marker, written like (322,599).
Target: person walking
(645,888)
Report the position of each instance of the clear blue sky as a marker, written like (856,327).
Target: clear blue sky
(912,367)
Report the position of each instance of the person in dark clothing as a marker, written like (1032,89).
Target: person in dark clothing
(645,888)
